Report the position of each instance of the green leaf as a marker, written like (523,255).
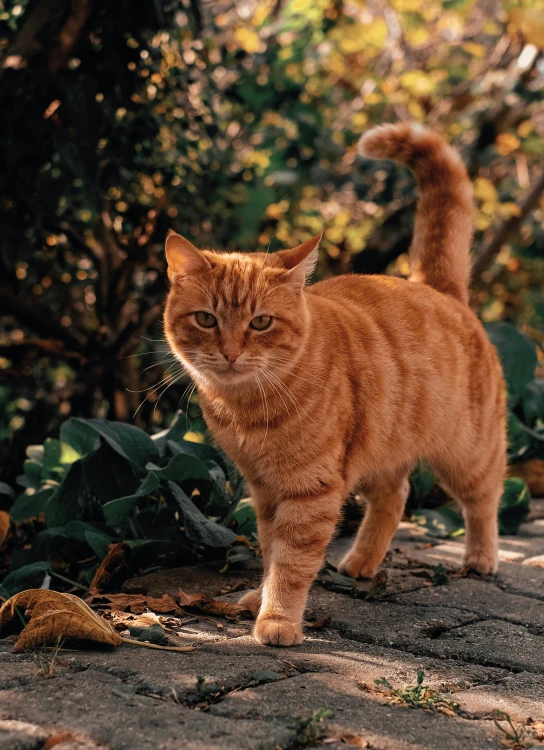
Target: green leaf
(117,511)
(99,544)
(126,439)
(441,523)
(175,432)
(28,577)
(80,436)
(239,553)
(518,357)
(5,489)
(197,526)
(63,505)
(533,403)
(514,506)
(33,473)
(30,505)
(181,468)
(57,456)
(422,481)
(242,517)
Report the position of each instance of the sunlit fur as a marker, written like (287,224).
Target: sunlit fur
(358,378)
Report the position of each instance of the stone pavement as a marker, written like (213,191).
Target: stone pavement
(479,642)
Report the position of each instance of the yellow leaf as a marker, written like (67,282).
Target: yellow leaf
(507,210)
(530,21)
(53,617)
(506,143)
(525,128)
(476,50)
(484,190)
(248,39)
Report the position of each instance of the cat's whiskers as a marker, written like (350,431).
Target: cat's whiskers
(156,364)
(168,380)
(265,407)
(273,378)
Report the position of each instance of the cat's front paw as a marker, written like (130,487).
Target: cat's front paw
(277,632)
(358,565)
(483,562)
(252,600)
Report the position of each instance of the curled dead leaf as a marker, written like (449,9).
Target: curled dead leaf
(54,616)
(355,740)
(4,526)
(134,603)
(113,571)
(210,606)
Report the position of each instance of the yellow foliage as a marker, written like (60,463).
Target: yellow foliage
(248,39)
(506,143)
(359,37)
(476,50)
(417,82)
(507,210)
(484,190)
(530,21)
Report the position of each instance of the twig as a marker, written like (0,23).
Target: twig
(511,225)
(134,642)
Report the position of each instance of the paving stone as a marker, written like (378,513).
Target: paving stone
(20,735)
(385,726)
(483,598)
(521,696)
(88,702)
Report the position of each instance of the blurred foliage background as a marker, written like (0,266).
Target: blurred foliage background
(236,124)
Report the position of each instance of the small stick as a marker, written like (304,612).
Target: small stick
(134,642)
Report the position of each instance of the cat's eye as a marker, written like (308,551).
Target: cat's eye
(261,322)
(206,320)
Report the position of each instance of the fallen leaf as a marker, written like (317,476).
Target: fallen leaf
(113,571)
(54,616)
(210,606)
(319,624)
(135,603)
(355,740)
(4,526)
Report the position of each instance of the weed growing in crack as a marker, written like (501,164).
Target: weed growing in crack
(310,730)
(46,659)
(419,696)
(514,737)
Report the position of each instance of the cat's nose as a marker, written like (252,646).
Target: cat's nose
(230,355)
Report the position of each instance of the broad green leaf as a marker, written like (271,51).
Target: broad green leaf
(181,468)
(117,511)
(126,439)
(242,517)
(118,481)
(197,526)
(175,432)
(80,436)
(63,505)
(441,523)
(5,489)
(57,456)
(533,403)
(33,473)
(422,481)
(514,506)
(518,357)
(30,505)
(99,544)
(28,577)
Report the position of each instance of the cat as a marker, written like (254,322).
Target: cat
(315,390)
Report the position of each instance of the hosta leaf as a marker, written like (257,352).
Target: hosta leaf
(126,439)
(514,506)
(197,526)
(441,523)
(518,357)
(28,576)
(30,504)
(181,468)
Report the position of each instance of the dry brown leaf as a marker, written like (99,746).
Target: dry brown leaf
(532,472)
(355,740)
(4,526)
(319,624)
(113,571)
(210,606)
(54,616)
(135,603)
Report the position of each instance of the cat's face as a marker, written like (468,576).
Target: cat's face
(233,318)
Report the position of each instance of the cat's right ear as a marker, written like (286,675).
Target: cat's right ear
(183,258)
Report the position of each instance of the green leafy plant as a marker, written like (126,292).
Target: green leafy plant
(419,695)
(309,730)
(104,482)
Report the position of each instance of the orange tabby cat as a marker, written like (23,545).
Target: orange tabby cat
(314,390)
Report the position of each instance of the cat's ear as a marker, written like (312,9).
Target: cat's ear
(182,257)
(301,260)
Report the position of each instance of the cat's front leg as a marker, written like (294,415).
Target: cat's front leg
(297,538)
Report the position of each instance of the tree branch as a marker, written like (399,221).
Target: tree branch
(508,228)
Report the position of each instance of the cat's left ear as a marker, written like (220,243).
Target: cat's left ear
(182,257)
(301,260)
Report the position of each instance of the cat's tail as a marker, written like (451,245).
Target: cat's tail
(439,254)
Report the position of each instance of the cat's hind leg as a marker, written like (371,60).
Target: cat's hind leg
(478,486)
(385,501)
